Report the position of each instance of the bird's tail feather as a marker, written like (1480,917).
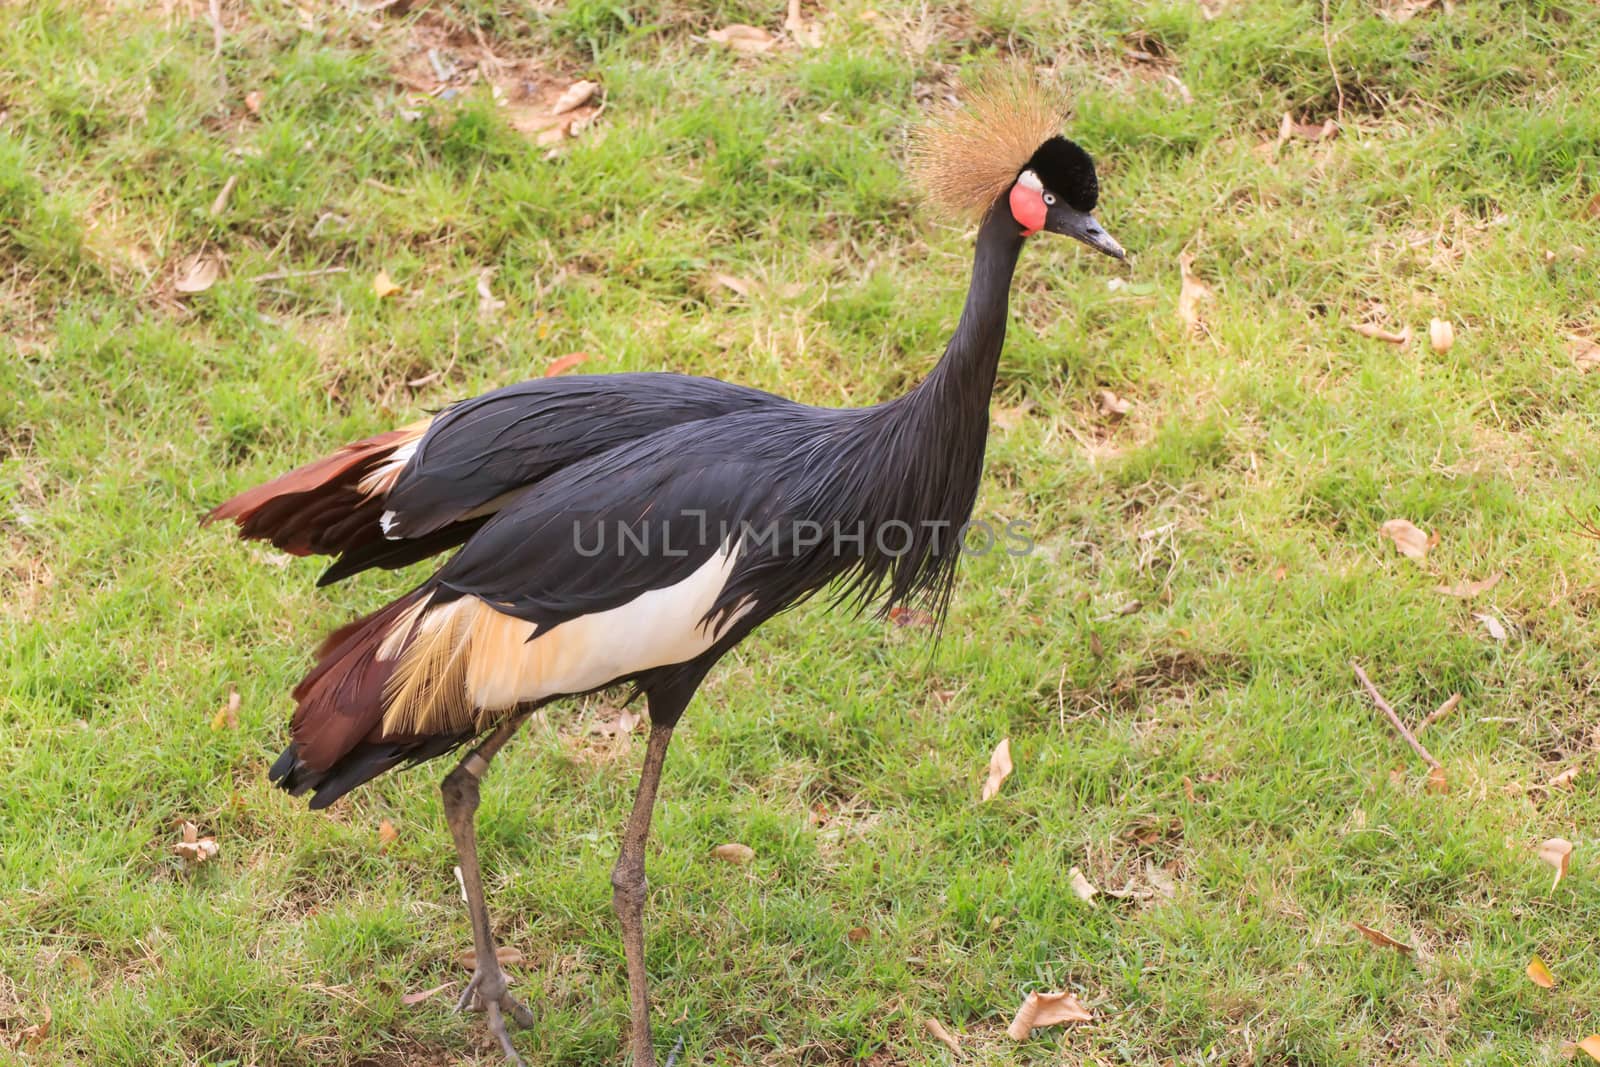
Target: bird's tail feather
(337,735)
(327,506)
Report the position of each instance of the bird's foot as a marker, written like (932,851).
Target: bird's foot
(486,992)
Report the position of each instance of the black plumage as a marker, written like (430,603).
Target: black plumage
(632,529)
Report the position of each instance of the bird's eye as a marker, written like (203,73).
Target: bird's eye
(1049,198)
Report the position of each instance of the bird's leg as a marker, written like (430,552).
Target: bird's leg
(628,892)
(488,983)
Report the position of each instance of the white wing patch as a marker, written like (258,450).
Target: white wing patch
(464,663)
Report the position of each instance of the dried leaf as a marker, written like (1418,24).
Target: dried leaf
(751,40)
(621,726)
(33,1036)
(1160,880)
(1188,790)
(1585,353)
(1437,782)
(1496,629)
(565,363)
(227,717)
(999,769)
(1467,590)
(1540,975)
(193,847)
(857,935)
(252,101)
(936,1028)
(411,999)
(1406,10)
(387,834)
(1441,711)
(734,853)
(1046,1009)
(508,957)
(742,286)
(1081,886)
(904,616)
(1592,209)
(1565,779)
(576,95)
(807,35)
(1590,1046)
(1407,537)
(1381,939)
(1288,127)
(1192,292)
(488,304)
(197,273)
(1112,404)
(1441,334)
(1010,418)
(1378,333)
(1557,852)
(384,286)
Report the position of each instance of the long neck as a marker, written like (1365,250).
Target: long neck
(964,377)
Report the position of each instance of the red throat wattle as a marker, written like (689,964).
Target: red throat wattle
(1027,207)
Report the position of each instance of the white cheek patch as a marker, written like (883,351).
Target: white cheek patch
(1029,180)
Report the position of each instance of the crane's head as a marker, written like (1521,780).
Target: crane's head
(1004,152)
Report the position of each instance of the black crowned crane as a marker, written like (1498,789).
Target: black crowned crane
(632,528)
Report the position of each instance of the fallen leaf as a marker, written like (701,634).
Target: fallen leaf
(33,1036)
(576,95)
(197,273)
(733,852)
(1161,881)
(1591,1046)
(508,957)
(1496,629)
(1467,590)
(1565,779)
(1592,209)
(417,998)
(999,769)
(565,363)
(1011,418)
(1112,404)
(936,1028)
(1440,712)
(1437,782)
(1046,1009)
(387,834)
(1441,334)
(1557,852)
(1406,10)
(384,286)
(804,34)
(1306,131)
(1585,353)
(1407,537)
(752,40)
(227,718)
(1378,333)
(252,101)
(621,726)
(1188,790)
(1383,940)
(1540,975)
(1081,886)
(488,303)
(857,935)
(904,616)
(741,286)
(1190,294)
(193,847)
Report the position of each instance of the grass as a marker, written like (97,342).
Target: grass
(1237,505)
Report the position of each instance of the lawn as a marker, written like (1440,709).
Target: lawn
(1172,663)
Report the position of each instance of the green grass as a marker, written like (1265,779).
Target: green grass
(1238,503)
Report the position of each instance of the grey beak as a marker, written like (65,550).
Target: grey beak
(1091,233)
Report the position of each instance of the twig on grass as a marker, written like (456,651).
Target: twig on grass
(1383,706)
(285,275)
